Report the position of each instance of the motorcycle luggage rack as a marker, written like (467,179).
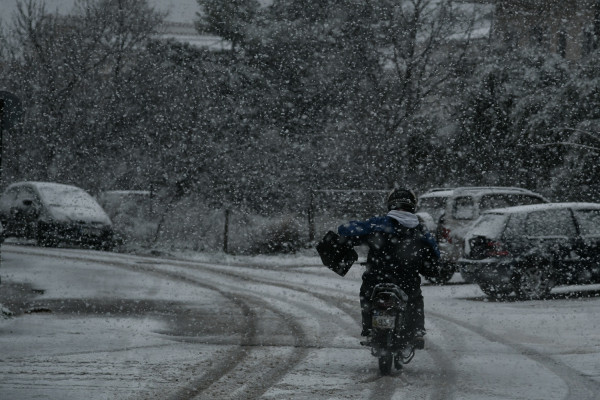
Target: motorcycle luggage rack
(406,360)
(390,288)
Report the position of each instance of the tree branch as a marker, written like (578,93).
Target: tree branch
(568,144)
(593,135)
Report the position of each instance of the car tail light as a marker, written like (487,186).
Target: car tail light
(482,247)
(496,249)
(444,234)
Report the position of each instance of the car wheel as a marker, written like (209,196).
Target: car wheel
(533,283)
(496,291)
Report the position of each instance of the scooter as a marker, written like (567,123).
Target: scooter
(390,340)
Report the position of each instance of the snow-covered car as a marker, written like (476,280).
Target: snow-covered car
(53,213)
(454,210)
(530,249)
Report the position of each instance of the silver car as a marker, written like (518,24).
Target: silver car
(53,213)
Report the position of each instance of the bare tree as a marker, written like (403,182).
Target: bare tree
(420,48)
(69,69)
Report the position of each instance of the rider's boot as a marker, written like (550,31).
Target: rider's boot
(419,340)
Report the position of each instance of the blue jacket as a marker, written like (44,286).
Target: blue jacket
(385,224)
(400,248)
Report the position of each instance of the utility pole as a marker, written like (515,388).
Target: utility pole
(226,232)
(2,106)
(311,217)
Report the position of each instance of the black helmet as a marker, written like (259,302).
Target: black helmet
(403,199)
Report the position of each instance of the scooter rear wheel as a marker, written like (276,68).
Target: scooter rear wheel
(385,363)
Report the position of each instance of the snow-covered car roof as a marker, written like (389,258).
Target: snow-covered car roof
(437,193)
(543,207)
(481,190)
(128,192)
(477,191)
(45,185)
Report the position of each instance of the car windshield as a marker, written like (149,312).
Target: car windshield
(68,197)
(489,225)
(433,206)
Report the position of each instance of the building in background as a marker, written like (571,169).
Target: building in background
(570,28)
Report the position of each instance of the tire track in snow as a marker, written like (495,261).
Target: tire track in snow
(233,358)
(383,387)
(244,384)
(204,386)
(338,303)
(229,360)
(445,385)
(580,387)
(327,299)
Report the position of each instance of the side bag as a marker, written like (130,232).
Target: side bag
(335,256)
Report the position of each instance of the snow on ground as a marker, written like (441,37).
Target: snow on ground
(105,325)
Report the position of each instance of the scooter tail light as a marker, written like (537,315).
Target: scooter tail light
(385,302)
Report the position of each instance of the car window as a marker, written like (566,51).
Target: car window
(589,222)
(493,201)
(489,225)
(464,208)
(550,223)
(433,206)
(26,194)
(524,200)
(514,226)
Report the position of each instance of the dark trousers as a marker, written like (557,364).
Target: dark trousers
(415,306)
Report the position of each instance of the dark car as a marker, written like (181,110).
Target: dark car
(452,211)
(530,249)
(53,213)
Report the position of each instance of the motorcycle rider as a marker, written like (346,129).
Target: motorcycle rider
(400,248)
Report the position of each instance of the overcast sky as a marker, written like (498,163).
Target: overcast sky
(179,10)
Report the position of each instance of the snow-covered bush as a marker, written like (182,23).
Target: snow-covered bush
(278,236)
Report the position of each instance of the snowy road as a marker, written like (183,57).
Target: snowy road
(102,326)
